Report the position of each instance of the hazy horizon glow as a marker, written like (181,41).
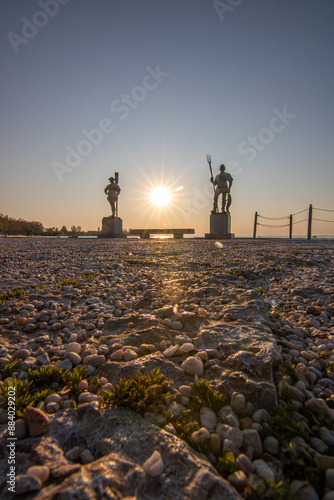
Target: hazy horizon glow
(149,88)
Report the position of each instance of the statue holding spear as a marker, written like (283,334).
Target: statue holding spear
(222,184)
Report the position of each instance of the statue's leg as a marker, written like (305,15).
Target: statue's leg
(223,202)
(215,202)
(229,201)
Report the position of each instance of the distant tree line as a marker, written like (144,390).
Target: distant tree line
(10,226)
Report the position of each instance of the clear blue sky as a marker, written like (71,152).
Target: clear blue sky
(167,81)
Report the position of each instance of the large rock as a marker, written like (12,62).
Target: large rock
(247,358)
(123,442)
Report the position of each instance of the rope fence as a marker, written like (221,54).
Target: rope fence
(291,222)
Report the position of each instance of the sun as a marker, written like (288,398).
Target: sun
(160,196)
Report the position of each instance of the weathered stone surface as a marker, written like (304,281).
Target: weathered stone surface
(124,442)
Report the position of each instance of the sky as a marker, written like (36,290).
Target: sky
(148,89)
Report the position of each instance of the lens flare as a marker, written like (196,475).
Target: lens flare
(160,197)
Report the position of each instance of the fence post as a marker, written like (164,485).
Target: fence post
(309,225)
(116,182)
(255,224)
(290,228)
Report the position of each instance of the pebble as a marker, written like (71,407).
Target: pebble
(187,347)
(87,457)
(263,470)
(74,358)
(171,351)
(271,445)
(238,479)
(244,463)
(252,441)
(201,435)
(154,466)
(228,416)
(301,490)
(238,402)
(215,443)
(25,483)
(129,354)
(193,366)
(37,421)
(330,478)
(208,418)
(42,472)
(260,415)
(229,445)
(117,355)
(21,354)
(73,347)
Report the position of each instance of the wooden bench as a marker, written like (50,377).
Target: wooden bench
(146,233)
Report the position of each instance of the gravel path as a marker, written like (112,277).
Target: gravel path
(108,304)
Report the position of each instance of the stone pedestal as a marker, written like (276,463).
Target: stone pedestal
(112,227)
(220,227)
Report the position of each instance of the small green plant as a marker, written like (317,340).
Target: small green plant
(203,395)
(74,378)
(302,465)
(23,396)
(66,281)
(289,369)
(96,381)
(320,420)
(329,366)
(14,293)
(46,376)
(268,490)
(184,425)
(8,369)
(324,354)
(285,427)
(226,464)
(141,393)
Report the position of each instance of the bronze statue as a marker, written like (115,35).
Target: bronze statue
(223,183)
(112,191)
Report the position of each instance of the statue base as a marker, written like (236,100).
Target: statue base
(220,227)
(112,227)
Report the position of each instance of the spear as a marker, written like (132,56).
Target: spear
(208,157)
